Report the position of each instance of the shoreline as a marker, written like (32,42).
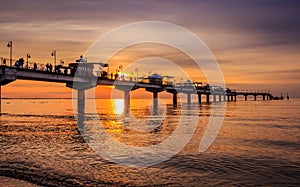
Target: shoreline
(12,182)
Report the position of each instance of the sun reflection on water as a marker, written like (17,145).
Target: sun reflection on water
(118,106)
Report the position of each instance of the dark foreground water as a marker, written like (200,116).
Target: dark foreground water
(258,144)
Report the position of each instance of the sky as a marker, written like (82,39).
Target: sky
(256,43)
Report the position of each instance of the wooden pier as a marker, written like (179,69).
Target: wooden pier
(86,80)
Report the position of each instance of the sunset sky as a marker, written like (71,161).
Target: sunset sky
(256,43)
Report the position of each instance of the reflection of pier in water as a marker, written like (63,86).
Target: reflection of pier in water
(85,78)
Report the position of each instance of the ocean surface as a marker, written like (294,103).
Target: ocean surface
(257,145)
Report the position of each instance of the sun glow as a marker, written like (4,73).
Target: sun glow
(118,106)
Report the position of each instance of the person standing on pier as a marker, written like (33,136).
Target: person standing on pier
(50,67)
(281,97)
(81,60)
(116,76)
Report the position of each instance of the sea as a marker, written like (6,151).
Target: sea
(43,143)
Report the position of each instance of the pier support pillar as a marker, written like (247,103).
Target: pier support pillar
(80,101)
(234,97)
(207,98)
(264,97)
(80,110)
(228,97)
(231,98)
(224,97)
(155,101)
(126,101)
(220,98)
(254,97)
(155,92)
(199,98)
(174,99)
(245,97)
(214,98)
(0,100)
(188,98)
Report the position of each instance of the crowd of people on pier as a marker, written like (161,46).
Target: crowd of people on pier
(49,67)
(19,63)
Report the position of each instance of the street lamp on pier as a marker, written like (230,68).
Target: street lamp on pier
(27,56)
(54,55)
(137,74)
(10,54)
(121,68)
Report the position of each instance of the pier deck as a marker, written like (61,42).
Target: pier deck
(82,82)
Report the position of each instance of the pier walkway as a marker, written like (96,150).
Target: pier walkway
(87,79)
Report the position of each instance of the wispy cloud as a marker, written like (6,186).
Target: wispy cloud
(253,40)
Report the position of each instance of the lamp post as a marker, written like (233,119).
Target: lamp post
(121,69)
(137,74)
(54,55)
(10,54)
(27,56)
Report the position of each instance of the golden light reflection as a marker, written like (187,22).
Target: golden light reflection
(118,106)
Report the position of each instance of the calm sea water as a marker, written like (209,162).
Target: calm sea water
(258,144)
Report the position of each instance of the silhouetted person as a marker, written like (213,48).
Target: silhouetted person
(281,97)
(50,67)
(104,74)
(34,66)
(73,70)
(19,63)
(56,69)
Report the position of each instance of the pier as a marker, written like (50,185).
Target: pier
(85,78)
